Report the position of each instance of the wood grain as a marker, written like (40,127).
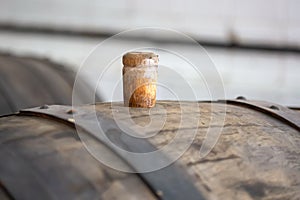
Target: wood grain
(50,162)
(256,156)
(22,78)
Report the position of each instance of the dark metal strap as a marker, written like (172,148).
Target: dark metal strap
(282,113)
(171,182)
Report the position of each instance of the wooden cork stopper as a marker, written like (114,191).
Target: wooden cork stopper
(133,59)
(139,79)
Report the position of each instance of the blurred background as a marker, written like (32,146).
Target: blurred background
(255,45)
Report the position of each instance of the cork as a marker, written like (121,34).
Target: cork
(139,79)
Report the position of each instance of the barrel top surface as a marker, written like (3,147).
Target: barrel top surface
(256,156)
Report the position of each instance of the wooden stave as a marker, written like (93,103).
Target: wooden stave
(236,123)
(262,186)
(51,154)
(28,82)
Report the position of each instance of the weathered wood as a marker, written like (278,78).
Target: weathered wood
(28,82)
(256,156)
(42,159)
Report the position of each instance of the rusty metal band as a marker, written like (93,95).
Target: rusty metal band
(286,115)
(171,182)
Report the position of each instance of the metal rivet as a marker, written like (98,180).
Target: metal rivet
(71,120)
(159,193)
(241,98)
(274,107)
(71,111)
(44,106)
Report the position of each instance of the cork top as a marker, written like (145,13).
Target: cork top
(133,59)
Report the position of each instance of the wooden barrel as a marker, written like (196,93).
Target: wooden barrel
(28,82)
(257,155)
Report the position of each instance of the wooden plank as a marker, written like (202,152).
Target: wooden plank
(21,78)
(256,156)
(44,159)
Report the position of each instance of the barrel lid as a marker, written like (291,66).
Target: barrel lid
(133,59)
